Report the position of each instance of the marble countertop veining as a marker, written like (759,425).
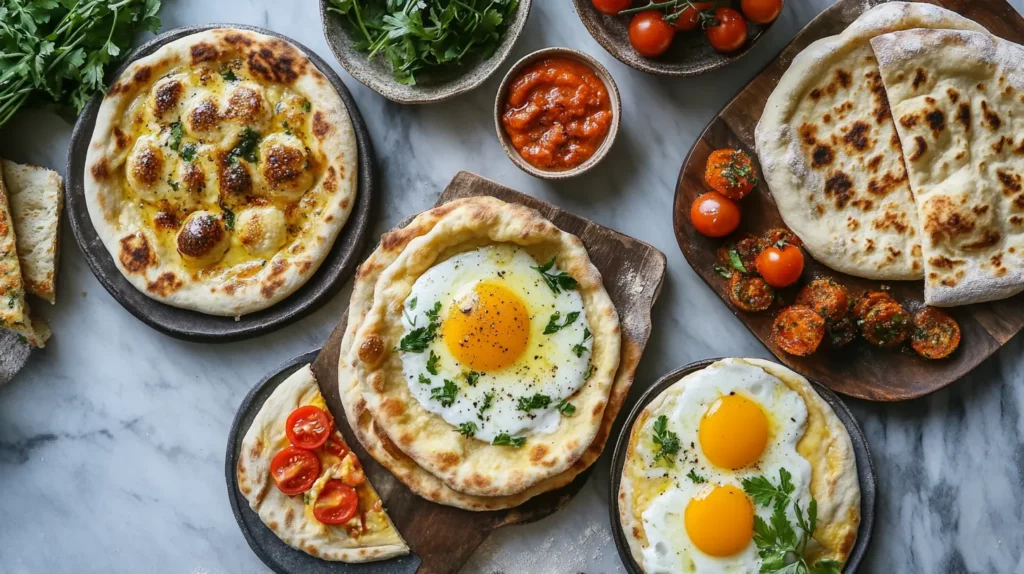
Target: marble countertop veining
(112,439)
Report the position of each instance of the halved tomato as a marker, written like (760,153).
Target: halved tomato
(336,504)
(294,470)
(308,427)
(335,447)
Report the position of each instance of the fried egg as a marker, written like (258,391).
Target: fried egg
(489,310)
(734,421)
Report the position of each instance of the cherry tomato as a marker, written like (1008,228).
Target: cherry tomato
(294,470)
(308,427)
(761,11)
(650,34)
(335,446)
(730,172)
(689,18)
(729,32)
(781,267)
(612,7)
(715,215)
(337,503)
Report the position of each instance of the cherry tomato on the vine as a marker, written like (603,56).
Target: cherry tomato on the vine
(650,34)
(612,7)
(761,11)
(715,215)
(689,18)
(729,32)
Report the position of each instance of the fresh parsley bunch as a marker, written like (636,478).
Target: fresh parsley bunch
(55,53)
(420,35)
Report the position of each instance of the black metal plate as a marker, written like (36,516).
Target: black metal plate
(192,325)
(865,467)
(277,555)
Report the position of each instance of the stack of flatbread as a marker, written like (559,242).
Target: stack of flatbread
(31,199)
(895,150)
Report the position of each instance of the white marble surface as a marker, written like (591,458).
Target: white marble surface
(112,439)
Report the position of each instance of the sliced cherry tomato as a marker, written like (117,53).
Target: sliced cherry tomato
(335,446)
(731,173)
(294,470)
(715,215)
(868,300)
(337,503)
(937,334)
(887,324)
(729,32)
(308,427)
(828,298)
(612,7)
(650,34)
(689,18)
(761,11)
(798,330)
(750,294)
(781,267)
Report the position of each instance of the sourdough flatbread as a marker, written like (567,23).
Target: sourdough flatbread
(464,464)
(14,311)
(36,196)
(831,156)
(368,537)
(958,100)
(825,445)
(220,172)
(384,450)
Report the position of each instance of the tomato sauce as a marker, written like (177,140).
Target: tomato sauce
(557,113)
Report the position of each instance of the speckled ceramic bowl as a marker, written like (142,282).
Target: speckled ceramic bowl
(613,95)
(690,54)
(429,88)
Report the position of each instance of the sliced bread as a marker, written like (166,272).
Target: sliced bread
(36,198)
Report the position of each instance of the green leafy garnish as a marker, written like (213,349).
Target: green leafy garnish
(229,218)
(172,183)
(765,493)
(434,313)
(736,262)
(188,152)
(471,377)
(505,440)
(537,401)
(411,304)
(554,326)
(228,74)
(566,408)
(445,394)
(696,478)
(488,398)
(176,135)
(417,340)
(432,363)
(246,147)
(556,281)
(666,440)
(468,428)
(306,106)
(424,380)
(721,270)
(579,349)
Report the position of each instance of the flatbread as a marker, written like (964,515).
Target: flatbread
(825,445)
(220,172)
(14,310)
(37,198)
(368,537)
(958,98)
(465,464)
(830,154)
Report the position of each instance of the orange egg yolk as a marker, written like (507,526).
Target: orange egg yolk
(489,330)
(734,432)
(721,523)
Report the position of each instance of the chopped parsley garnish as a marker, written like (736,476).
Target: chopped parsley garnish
(488,398)
(696,478)
(471,377)
(416,341)
(176,135)
(537,401)
(228,74)
(412,303)
(445,394)
(434,313)
(468,428)
(173,184)
(554,326)
(765,493)
(247,145)
(666,440)
(424,380)
(306,106)
(736,262)
(188,152)
(505,440)
(556,281)
(432,363)
(580,348)
(738,170)
(229,218)
(566,408)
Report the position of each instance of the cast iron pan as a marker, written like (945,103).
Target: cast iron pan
(865,467)
(192,325)
(277,555)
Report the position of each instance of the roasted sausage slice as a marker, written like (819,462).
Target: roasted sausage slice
(827,297)
(798,330)
(936,334)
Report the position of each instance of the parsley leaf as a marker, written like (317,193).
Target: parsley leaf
(579,349)
(432,363)
(696,478)
(468,429)
(424,380)
(537,401)
(416,341)
(411,304)
(765,493)
(229,217)
(666,440)
(445,394)
(471,377)
(488,398)
(188,152)
(735,262)
(554,326)
(556,281)
(246,147)
(176,135)
(566,408)
(505,440)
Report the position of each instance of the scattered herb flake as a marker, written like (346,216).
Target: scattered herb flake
(556,281)
(505,440)
(554,326)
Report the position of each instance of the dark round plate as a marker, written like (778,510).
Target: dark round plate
(192,325)
(277,555)
(690,54)
(865,467)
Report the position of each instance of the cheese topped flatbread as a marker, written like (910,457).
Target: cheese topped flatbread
(36,197)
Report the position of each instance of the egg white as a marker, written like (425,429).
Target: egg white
(670,549)
(548,366)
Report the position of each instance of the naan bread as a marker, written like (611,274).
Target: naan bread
(958,100)
(465,464)
(830,154)
(37,198)
(220,172)
(368,537)
(377,442)
(14,311)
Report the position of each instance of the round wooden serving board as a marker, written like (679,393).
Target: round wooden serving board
(189,325)
(858,369)
(865,467)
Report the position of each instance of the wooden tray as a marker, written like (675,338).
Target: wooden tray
(859,369)
(191,325)
(865,467)
(444,537)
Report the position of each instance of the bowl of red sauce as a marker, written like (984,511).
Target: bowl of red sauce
(557,113)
